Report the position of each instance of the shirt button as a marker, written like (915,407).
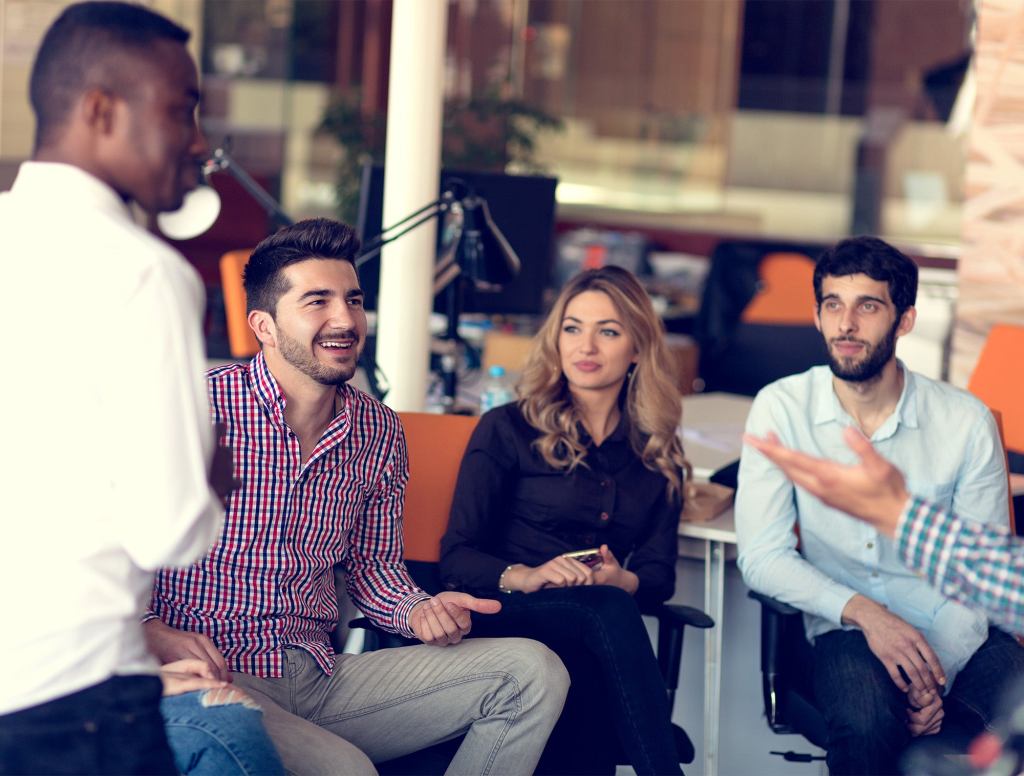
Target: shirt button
(605,483)
(604,516)
(90,727)
(871,545)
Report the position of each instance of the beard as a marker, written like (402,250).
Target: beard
(877,356)
(303,359)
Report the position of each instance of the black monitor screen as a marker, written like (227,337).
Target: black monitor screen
(523,208)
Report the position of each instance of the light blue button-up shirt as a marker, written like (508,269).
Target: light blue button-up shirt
(946,443)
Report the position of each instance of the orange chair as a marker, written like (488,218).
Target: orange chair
(436,444)
(998,377)
(786,291)
(241,341)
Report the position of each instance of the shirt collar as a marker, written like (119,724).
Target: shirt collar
(827,408)
(269,394)
(58,182)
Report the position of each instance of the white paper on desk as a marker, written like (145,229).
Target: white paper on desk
(724,437)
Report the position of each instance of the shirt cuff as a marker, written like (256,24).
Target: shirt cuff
(832,600)
(149,615)
(400,616)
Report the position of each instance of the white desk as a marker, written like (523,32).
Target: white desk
(712,429)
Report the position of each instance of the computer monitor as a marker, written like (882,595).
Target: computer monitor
(522,206)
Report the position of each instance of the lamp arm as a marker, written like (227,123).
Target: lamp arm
(221,160)
(431,210)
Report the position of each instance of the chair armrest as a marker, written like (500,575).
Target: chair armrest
(773,604)
(672,622)
(677,615)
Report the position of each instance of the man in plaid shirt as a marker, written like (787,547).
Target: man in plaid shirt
(323,469)
(974,563)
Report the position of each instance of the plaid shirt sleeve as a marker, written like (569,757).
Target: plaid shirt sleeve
(981,565)
(376,578)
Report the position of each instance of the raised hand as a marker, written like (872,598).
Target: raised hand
(873,490)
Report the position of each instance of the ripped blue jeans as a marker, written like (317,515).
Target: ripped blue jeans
(211,737)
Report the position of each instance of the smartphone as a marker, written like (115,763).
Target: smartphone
(591,557)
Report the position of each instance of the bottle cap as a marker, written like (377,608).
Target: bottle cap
(496,371)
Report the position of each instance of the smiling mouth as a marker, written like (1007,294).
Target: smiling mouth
(587,366)
(338,345)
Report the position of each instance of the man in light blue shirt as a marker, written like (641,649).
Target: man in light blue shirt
(893,658)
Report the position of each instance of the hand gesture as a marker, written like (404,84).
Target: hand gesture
(873,490)
(925,713)
(897,644)
(445,618)
(169,644)
(609,572)
(557,572)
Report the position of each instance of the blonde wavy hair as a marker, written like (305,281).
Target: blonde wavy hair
(653,403)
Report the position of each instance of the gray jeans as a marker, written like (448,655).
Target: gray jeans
(503,694)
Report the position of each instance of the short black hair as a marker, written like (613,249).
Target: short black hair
(874,258)
(85,48)
(314,238)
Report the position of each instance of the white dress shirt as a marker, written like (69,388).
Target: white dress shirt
(106,432)
(945,442)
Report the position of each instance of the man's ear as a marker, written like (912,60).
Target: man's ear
(262,324)
(907,321)
(98,109)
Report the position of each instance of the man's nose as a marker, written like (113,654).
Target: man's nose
(848,320)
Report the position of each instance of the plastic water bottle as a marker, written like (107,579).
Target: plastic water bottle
(496,390)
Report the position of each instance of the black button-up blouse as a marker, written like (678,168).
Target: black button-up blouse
(510,506)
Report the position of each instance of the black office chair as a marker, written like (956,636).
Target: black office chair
(756,322)
(786,688)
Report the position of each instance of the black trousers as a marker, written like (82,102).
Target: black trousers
(111,727)
(617,703)
(865,712)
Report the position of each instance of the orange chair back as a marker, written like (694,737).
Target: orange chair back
(998,377)
(241,341)
(998,416)
(436,444)
(786,295)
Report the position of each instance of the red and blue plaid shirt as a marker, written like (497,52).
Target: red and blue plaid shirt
(268,583)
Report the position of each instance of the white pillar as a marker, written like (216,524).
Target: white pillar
(412,163)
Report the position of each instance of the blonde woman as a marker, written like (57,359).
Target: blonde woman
(587,459)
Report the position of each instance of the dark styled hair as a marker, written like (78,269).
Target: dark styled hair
(876,259)
(314,238)
(85,48)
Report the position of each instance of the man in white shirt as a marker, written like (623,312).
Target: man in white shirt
(106,428)
(893,657)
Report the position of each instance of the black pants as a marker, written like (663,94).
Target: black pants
(865,712)
(111,727)
(617,701)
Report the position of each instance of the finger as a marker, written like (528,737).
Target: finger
(433,625)
(452,631)
(220,665)
(894,674)
(931,660)
(473,604)
(607,556)
(459,615)
(182,684)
